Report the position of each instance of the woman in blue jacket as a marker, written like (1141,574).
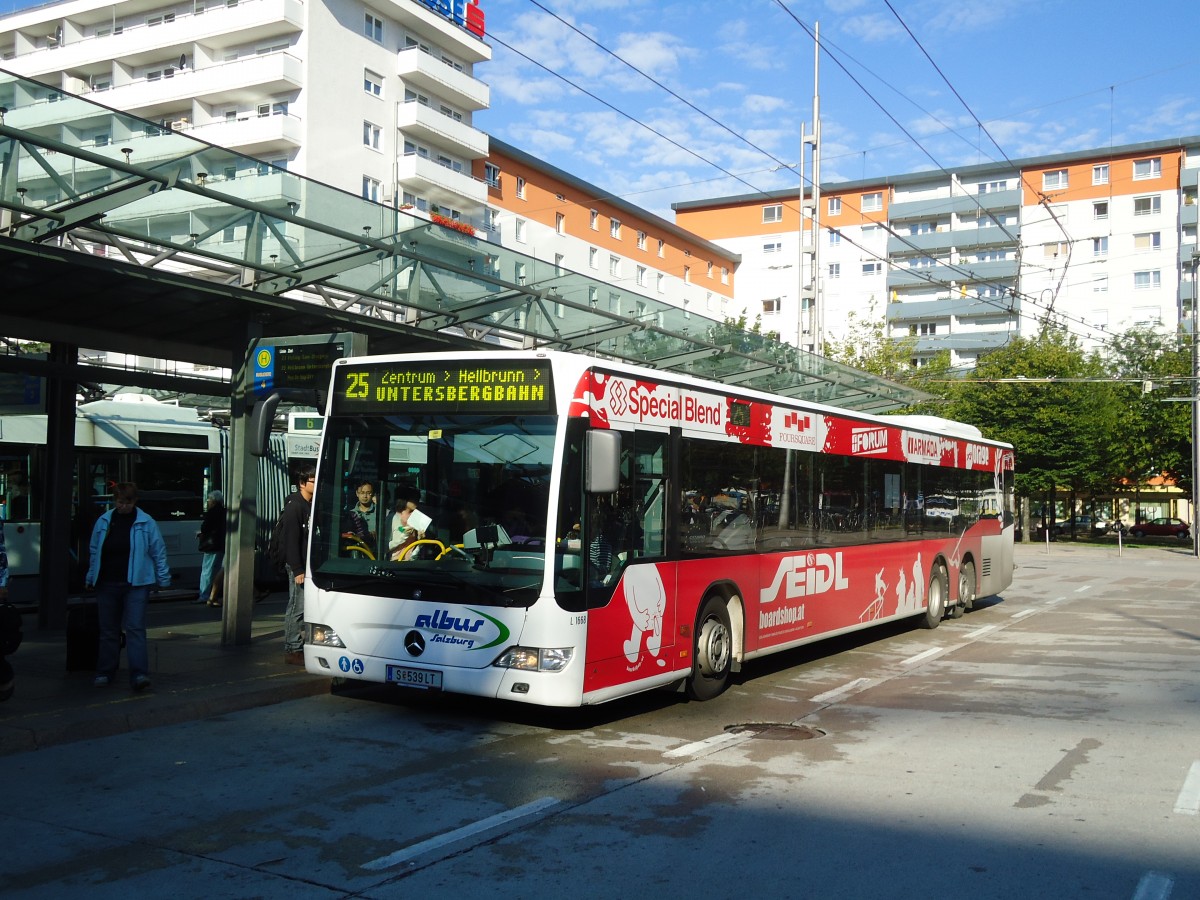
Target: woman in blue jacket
(128,556)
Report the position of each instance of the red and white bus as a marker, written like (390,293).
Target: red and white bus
(559,530)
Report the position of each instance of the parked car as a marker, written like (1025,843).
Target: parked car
(1167,527)
(1082,525)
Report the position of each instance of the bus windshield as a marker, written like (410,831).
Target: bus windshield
(445,508)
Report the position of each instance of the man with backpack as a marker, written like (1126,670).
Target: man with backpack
(293,541)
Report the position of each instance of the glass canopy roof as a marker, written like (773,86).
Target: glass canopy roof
(69,166)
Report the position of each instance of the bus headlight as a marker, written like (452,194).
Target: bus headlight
(535,659)
(323,636)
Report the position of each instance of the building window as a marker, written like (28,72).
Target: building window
(835,270)
(371,189)
(594,220)
(641,276)
(1147,168)
(724,275)
(772,247)
(614,266)
(593,258)
(834,206)
(372,83)
(520,231)
(1147,281)
(989,187)
(772,306)
(662,248)
(687,274)
(708,269)
(1100,174)
(373,28)
(1054,181)
(371,135)
(520,188)
(1055,249)
(641,240)
(660,282)
(1151,240)
(1100,246)
(1100,284)
(872,202)
(560,223)
(1100,209)
(872,268)
(491,174)
(835,237)
(1147,206)
(772,213)
(614,228)
(519,271)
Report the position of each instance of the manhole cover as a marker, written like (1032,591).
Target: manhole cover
(774,731)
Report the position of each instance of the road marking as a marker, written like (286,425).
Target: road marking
(980,632)
(925,654)
(458,834)
(1188,802)
(841,691)
(1023,613)
(1080,590)
(717,740)
(1154,886)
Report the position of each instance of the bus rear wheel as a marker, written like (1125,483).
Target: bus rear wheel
(713,651)
(939,589)
(966,587)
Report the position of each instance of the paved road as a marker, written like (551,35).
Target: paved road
(1046,745)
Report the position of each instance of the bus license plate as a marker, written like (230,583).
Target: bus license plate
(415,678)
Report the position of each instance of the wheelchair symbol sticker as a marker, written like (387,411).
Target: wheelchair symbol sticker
(348,665)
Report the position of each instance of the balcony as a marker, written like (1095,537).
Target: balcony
(249,20)
(438,130)
(956,307)
(959,238)
(962,273)
(426,72)
(439,184)
(253,135)
(242,80)
(419,19)
(958,205)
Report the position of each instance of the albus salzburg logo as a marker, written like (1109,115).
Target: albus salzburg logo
(463,631)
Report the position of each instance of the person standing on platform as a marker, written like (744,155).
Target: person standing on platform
(212,545)
(128,557)
(294,541)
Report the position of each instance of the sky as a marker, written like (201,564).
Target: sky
(661,102)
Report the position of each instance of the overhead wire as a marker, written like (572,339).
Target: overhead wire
(967,274)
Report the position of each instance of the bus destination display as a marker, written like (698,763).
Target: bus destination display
(467,387)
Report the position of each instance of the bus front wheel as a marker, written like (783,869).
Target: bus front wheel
(713,651)
(939,589)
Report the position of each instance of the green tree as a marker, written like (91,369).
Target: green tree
(1155,436)
(1061,430)
(868,347)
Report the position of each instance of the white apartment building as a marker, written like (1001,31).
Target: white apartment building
(375,98)
(1100,240)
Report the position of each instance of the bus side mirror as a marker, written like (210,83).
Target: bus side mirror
(602,461)
(261,419)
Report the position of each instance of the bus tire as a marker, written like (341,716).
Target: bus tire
(966,587)
(939,589)
(712,651)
